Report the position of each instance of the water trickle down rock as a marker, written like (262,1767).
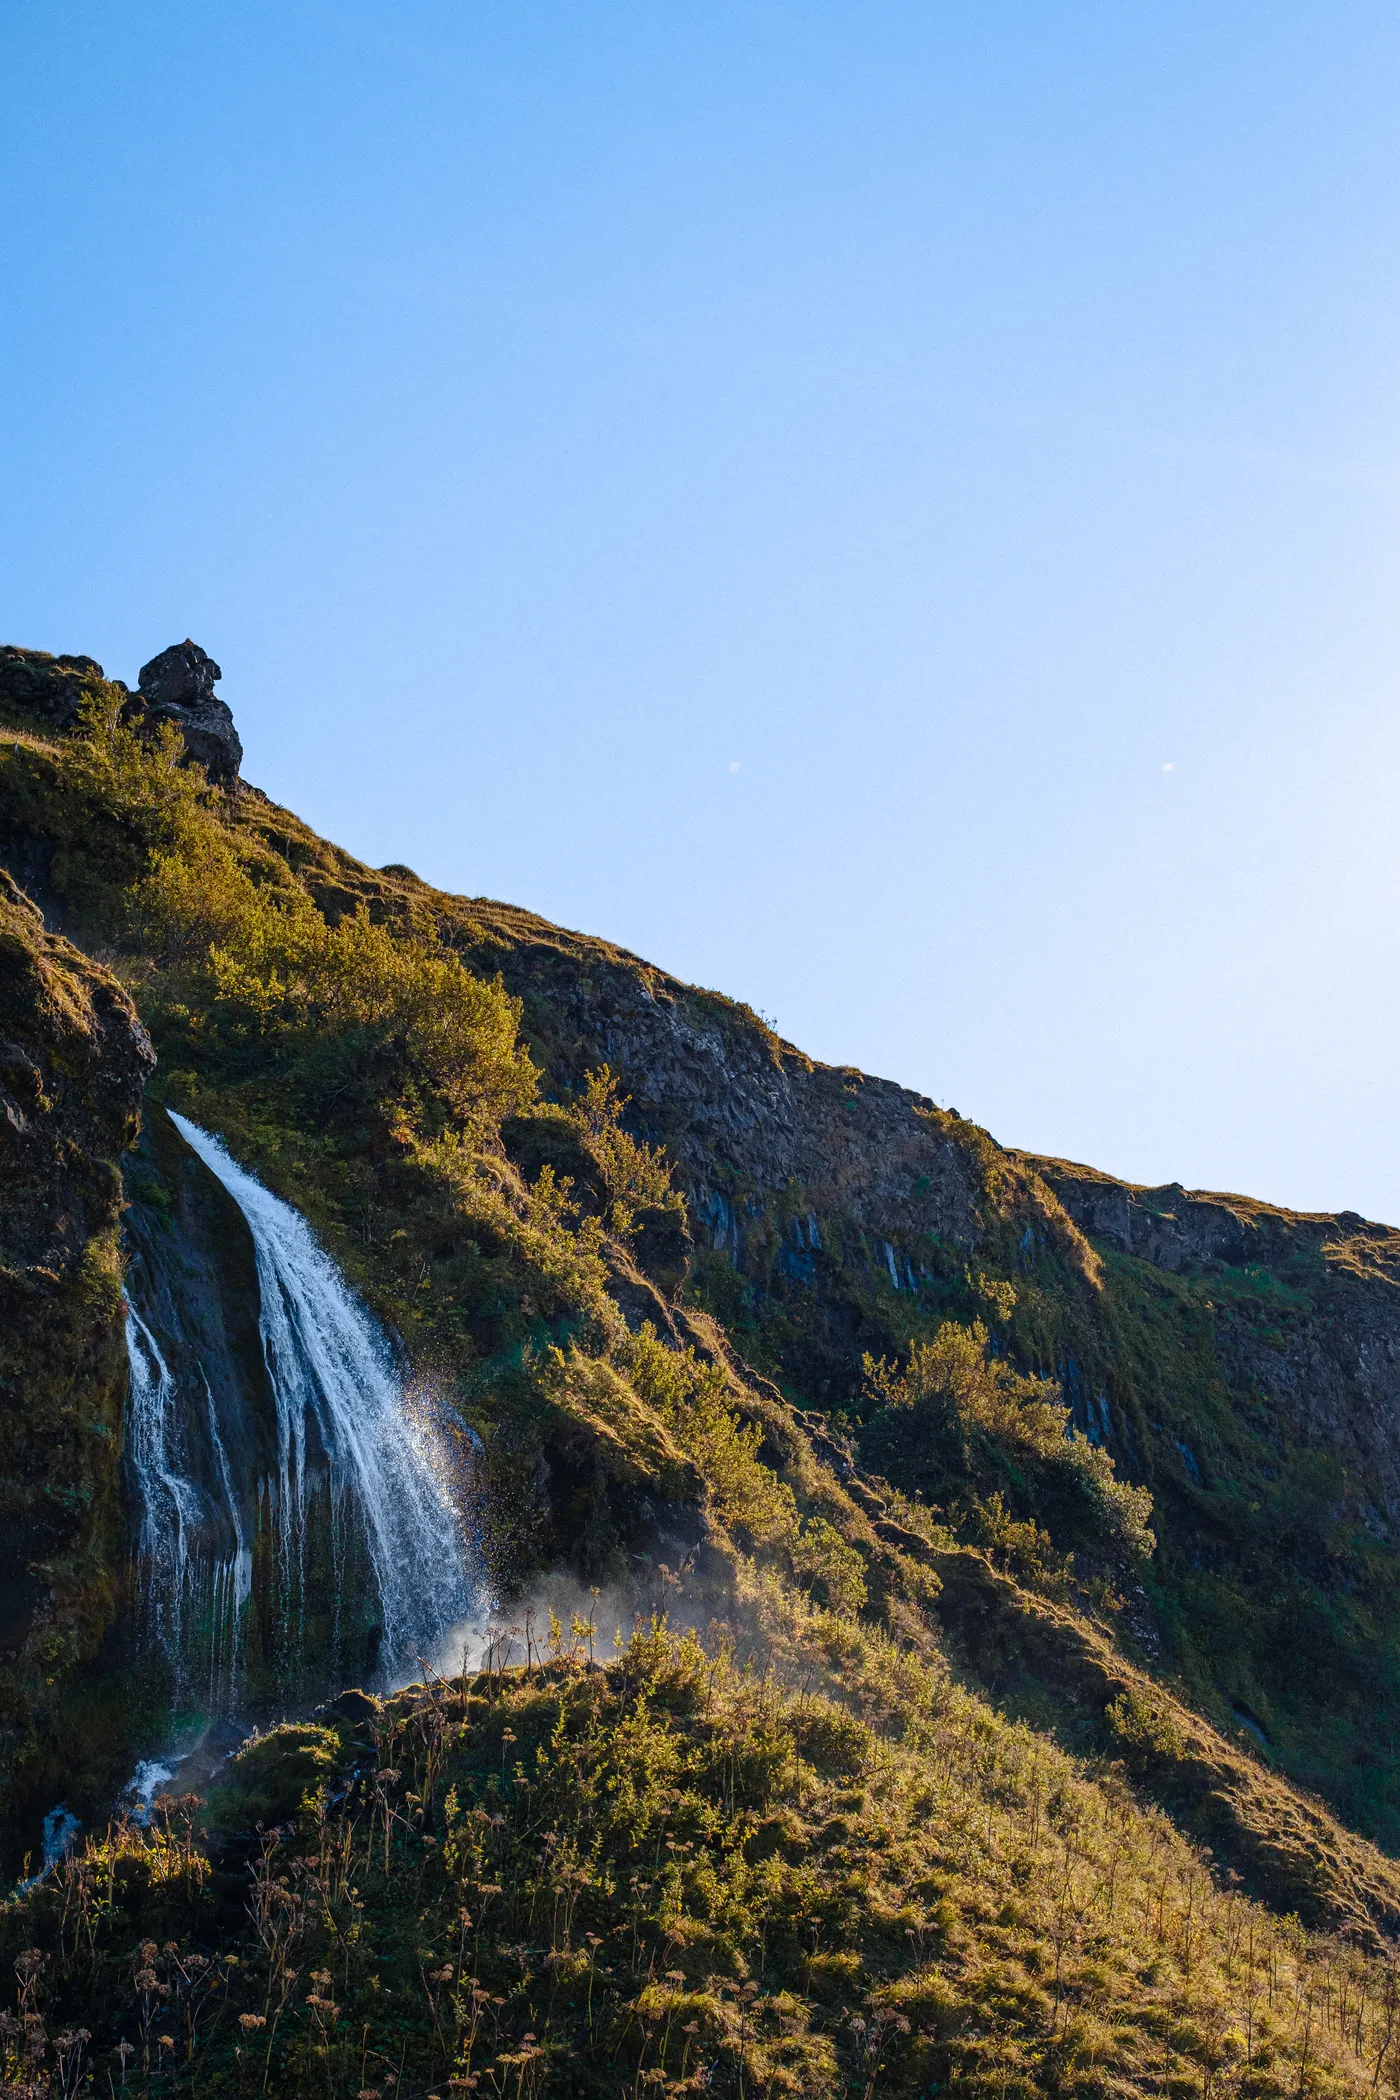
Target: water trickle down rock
(201,1421)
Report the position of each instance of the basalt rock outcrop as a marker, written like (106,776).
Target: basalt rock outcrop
(177,686)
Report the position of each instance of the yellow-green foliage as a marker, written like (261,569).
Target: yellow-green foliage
(267,962)
(221,937)
(663,1418)
(676,1874)
(820,1557)
(310,1037)
(140,781)
(1143,1727)
(964,1426)
(452,1036)
(696,1403)
(636,1176)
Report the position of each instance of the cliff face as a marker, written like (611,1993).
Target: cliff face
(74,1060)
(1328,1367)
(1240,1361)
(744,1114)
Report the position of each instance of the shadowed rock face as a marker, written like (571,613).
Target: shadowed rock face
(729,1099)
(178,686)
(191,1274)
(73,1063)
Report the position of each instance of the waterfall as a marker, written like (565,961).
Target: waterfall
(196,1563)
(315,1544)
(339,1397)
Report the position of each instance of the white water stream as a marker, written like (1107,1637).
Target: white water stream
(341,1426)
(182,1576)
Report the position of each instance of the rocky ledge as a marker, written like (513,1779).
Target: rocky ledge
(177,686)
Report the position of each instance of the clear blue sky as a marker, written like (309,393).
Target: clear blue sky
(778,485)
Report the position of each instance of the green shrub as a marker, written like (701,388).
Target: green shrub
(695,1402)
(636,1176)
(821,1559)
(1143,1731)
(963,1426)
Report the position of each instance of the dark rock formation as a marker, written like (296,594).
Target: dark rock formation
(1168,1227)
(47,687)
(191,1274)
(178,686)
(733,1103)
(73,1062)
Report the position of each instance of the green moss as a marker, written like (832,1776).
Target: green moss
(267,1780)
(69,1088)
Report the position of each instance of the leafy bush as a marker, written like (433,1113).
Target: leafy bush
(636,1176)
(821,1558)
(964,1427)
(695,1402)
(1144,1732)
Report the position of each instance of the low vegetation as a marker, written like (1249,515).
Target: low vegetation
(675,1874)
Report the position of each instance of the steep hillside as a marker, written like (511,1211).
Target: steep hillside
(1238,1361)
(73,1061)
(1081,1497)
(675,1874)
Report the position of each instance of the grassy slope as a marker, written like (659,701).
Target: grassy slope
(602,1444)
(674,1874)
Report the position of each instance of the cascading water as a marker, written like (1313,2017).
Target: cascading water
(295,1530)
(197,1566)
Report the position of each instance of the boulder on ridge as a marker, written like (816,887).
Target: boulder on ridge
(178,686)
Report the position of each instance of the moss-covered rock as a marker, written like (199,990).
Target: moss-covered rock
(73,1062)
(265,1782)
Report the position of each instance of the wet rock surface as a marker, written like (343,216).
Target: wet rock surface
(191,1275)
